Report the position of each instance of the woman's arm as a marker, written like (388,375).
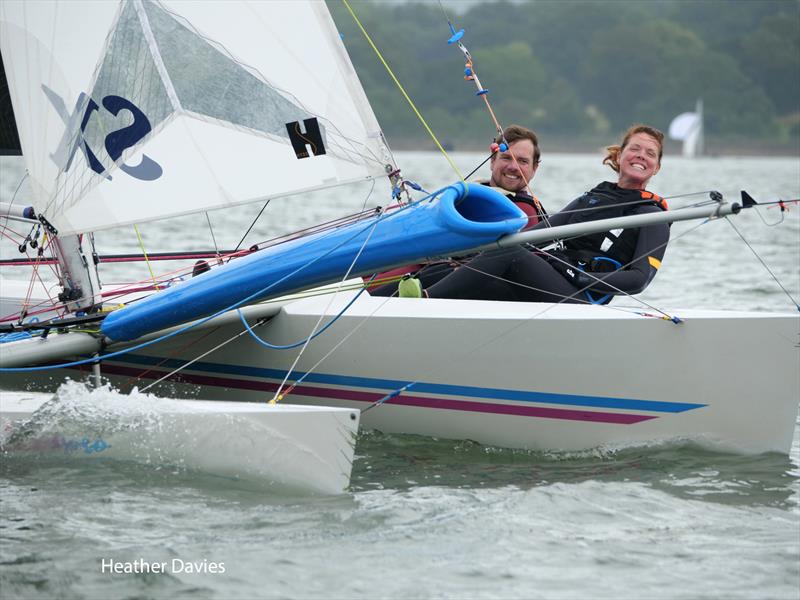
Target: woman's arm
(650,249)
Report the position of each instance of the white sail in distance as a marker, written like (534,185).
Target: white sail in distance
(136,110)
(688,128)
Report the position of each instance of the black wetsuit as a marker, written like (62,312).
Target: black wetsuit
(530,275)
(434,272)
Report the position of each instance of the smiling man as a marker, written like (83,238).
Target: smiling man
(514,168)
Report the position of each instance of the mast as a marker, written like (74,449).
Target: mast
(77,274)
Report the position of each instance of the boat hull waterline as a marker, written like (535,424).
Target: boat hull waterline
(520,375)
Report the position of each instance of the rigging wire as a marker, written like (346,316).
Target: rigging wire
(665,316)
(338,222)
(470,74)
(349,334)
(194,324)
(19,185)
(278,395)
(178,350)
(402,90)
(339,288)
(475,170)
(764,264)
(194,360)
(213,237)
(311,293)
(776,204)
(249,229)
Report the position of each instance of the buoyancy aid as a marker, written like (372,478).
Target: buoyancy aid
(530,205)
(607,201)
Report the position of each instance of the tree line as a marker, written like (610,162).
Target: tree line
(581,68)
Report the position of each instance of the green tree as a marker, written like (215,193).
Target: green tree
(654,71)
(771,58)
(563,111)
(561,33)
(579,66)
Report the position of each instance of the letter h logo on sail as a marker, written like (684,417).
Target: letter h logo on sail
(302,141)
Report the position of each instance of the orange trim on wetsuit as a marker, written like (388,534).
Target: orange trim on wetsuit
(662,204)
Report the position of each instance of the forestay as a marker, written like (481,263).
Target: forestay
(132,111)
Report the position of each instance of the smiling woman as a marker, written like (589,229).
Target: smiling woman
(591,268)
(638,158)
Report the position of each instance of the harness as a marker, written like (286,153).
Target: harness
(530,205)
(608,201)
(606,251)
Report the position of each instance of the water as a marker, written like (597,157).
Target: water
(438,518)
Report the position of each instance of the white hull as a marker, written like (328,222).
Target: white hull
(290,449)
(521,375)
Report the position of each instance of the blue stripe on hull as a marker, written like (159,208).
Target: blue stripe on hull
(462,391)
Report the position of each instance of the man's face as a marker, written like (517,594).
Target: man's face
(514,168)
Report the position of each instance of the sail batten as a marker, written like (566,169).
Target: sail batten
(173,107)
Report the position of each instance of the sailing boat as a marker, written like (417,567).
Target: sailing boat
(184,106)
(688,128)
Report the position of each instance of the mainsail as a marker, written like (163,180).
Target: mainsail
(139,110)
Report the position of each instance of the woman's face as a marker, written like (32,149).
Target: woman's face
(638,161)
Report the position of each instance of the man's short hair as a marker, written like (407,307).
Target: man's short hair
(513,133)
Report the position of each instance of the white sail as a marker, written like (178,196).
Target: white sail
(688,127)
(136,110)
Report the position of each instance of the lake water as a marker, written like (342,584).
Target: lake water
(437,518)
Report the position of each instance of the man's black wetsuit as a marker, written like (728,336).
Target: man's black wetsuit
(522,274)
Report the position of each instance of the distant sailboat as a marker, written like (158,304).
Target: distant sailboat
(688,127)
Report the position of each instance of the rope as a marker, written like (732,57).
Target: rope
(36,275)
(487,159)
(764,264)
(202,321)
(191,362)
(402,90)
(306,340)
(278,396)
(336,347)
(782,204)
(144,253)
(472,75)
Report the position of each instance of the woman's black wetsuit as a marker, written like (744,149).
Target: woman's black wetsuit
(521,274)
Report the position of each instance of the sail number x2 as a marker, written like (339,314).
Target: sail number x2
(177,110)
